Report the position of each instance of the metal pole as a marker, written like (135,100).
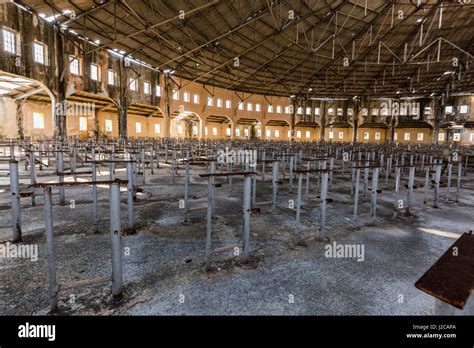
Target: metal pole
(115,233)
(298,206)
(130,211)
(209,219)
(15,201)
(48,217)
(62,196)
(291,172)
(324,194)
(95,205)
(356,191)
(274,184)
(448,188)
(427,182)
(436,189)
(458,185)
(397,190)
(373,203)
(186,188)
(411,181)
(246,211)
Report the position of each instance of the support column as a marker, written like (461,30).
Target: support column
(202,127)
(60,109)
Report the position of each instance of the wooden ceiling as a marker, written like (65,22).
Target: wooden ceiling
(308,48)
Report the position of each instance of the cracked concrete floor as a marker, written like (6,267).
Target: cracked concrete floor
(163,263)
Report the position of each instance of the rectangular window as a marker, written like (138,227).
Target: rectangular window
(366,135)
(377,136)
(407,136)
(195,130)
(146,87)
(187,97)
(108,125)
(331,111)
(289,134)
(138,127)
(395,136)
(241,105)
(463,109)
(38,120)
(287,109)
(449,110)
(133,84)
(158,91)
(420,137)
(331,135)
(196,98)
(278,109)
(339,112)
(308,111)
(246,132)
(341,135)
(298,134)
(317,111)
(175,94)
(308,134)
(258,107)
(157,128)
(441,137)
(270,108)
(9,41)
(219,103)
(74,65)
(205,131)
(375,112)
(180,130)
(237,132)
(456,136)
(267,133)
(214,131)
(249,106)
(94,72)
(82,124)
(39,52)
(471,137)
(300,111)
(210,101)
(259,133)
(228,132)
(228,104)
(111,77)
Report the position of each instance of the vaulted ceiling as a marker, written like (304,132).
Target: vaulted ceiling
(310,48)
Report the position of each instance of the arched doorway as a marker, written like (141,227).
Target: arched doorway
(27,108)
(218,127)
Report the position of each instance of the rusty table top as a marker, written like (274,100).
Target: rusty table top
(451,278)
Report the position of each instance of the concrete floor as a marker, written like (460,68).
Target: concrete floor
(165,265)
